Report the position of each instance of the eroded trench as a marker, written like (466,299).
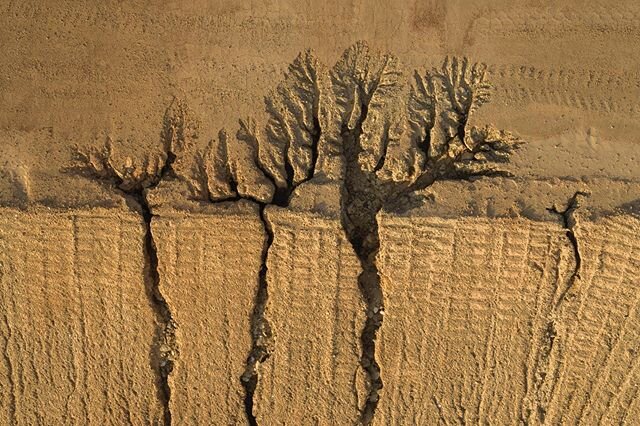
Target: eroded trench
(361,202)
(261,333)
(164,350)
(165,346)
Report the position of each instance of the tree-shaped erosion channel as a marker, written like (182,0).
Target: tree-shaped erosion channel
(263,245)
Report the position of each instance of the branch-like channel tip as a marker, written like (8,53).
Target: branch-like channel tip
(569,222)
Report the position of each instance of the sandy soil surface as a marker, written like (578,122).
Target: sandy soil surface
(343,212)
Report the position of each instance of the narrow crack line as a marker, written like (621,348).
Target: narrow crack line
(547,343)
(544,374)
(369,282)
(165,347)
(164,350)
(569,223)
(262,336)
(542,365)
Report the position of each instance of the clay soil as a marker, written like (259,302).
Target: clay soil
(333,212)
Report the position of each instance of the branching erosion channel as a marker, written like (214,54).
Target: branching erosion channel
(390,154)
(134,183)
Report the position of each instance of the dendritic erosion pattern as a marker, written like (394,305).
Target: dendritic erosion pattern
(366,124)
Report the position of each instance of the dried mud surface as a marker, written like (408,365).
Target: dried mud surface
(365,212)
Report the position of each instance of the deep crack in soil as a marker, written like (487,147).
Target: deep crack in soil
(164,349)
(260,328)
(165,340)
